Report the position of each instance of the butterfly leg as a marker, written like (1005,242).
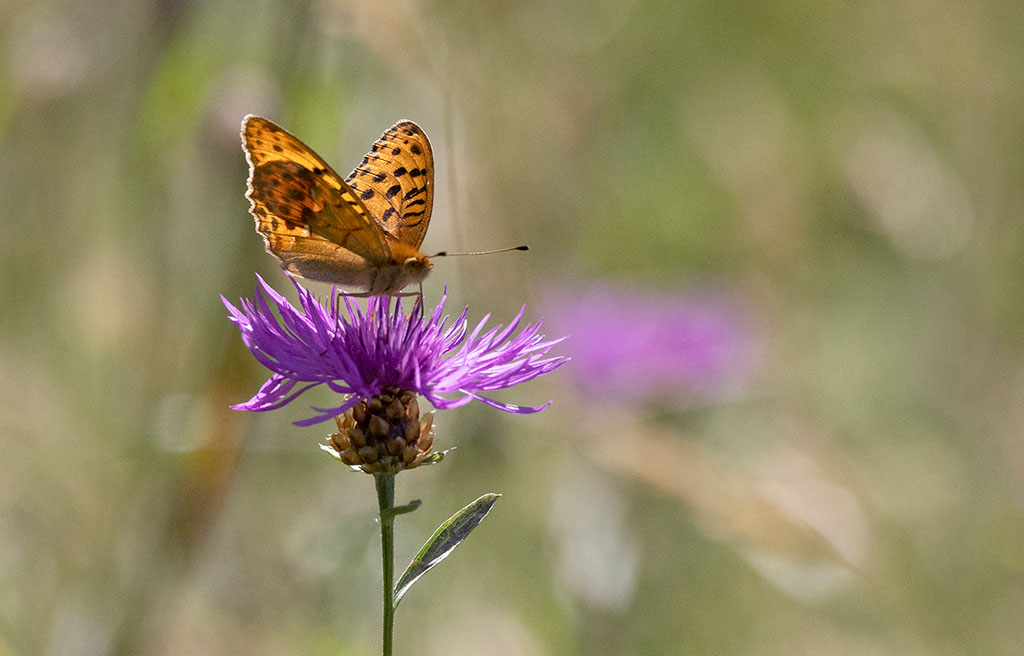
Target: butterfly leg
(336,301)
(338,294)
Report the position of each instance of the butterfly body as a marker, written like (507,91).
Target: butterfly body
(333,264)
(390,278)
(363,231)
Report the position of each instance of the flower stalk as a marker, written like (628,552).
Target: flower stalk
(385,483)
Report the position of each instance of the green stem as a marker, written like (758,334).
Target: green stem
(386,502)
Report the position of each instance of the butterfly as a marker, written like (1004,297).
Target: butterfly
(363,231)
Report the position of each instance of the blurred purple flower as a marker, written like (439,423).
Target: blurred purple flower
(363,352)
(630,344)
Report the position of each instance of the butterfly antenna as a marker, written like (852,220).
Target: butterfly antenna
(500,250)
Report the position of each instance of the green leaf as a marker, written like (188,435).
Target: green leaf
(444,540)
(436,457)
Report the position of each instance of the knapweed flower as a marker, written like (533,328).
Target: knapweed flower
(632,343)
(362,353)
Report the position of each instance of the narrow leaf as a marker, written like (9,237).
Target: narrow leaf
(444,540)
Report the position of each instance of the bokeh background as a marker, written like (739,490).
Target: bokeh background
(786,238)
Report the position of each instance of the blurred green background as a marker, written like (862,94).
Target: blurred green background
(849,175)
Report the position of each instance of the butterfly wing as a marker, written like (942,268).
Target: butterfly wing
(309,217)
(315,258)
(396,182)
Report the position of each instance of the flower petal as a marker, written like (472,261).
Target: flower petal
(359,352)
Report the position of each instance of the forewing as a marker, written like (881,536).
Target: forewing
(293,192)
(396,182)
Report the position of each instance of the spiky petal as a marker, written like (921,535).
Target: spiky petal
(360,353)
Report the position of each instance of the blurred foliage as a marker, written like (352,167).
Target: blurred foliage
(852,173)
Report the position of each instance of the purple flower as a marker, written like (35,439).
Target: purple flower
(363,352)
(631,344)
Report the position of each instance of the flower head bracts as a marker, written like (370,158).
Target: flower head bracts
(362,352)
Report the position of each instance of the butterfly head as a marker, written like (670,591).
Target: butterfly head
(408,267)
(410,258)
(418,262)
(415,268)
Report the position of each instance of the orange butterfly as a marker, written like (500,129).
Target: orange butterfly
(364,231)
